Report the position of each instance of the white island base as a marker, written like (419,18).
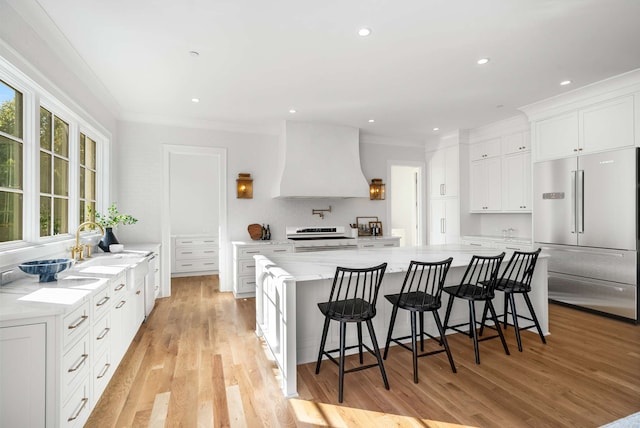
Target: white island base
(288,288)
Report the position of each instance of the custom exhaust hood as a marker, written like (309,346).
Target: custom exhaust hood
(320,161)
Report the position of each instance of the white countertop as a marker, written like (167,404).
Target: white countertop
(322,265)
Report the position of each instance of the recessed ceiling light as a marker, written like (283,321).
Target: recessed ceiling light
(194,53)
(483,61)
(292,111)
(195,100)
(364,32)
(565,82)
(371,120)
(436,129)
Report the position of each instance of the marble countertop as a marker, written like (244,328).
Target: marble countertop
(28,298)
(322,265)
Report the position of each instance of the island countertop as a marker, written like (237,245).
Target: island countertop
(322,265)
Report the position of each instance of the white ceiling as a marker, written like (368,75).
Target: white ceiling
(416,71)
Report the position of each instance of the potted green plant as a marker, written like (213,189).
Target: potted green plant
(112,218)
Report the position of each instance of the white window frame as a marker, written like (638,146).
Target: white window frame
(34,96)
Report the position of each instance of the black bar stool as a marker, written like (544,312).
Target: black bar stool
(421,292)
(516,279)
(477,285)
(352,300)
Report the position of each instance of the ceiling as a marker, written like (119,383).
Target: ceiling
(416,71)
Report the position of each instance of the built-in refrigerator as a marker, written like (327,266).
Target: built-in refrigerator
(585,217)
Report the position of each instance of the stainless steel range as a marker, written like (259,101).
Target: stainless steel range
(309,238)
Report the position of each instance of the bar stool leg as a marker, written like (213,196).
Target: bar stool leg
(472,328)
(414,347)
(421,331)
(322,343)
(443,339)
(376,350)
(343,329)
(360,341)
(391,324)
(448,313)
(533,316)
(514,316)
(484,318)
(495,320)
(506,310)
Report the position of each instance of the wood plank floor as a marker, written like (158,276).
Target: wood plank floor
(196,362)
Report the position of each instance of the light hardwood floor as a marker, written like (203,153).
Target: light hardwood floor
(196,362)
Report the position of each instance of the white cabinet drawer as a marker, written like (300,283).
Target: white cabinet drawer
(196,265)
(77,409)
(196,242)
(75,324)
(265,250)
(196,253)
(102,372)
(75,366)
(246,284)
(101,334)
(101,302)
(247,267)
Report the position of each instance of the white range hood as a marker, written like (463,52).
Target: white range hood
(320,161)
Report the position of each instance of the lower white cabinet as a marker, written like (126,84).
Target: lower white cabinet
(244,268)
(195,254)
(444,221)
(23,362)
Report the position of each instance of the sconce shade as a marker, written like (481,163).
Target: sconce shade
(376,189)
(245,186)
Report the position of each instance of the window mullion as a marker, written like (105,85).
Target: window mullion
(31,147)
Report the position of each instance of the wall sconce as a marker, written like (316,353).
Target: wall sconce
(376,190)
(245,186)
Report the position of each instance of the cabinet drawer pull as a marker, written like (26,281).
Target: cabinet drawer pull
(210,251)
(253,252)
(137,292)
(389,245)
(119,287)
(121,304)
(187,242)
(103,333)
(251,282)
(81,407)
(186,252)
(102,301)
(367,246)
(78,322)
(280,251)
(186,264)
(79,364)
(475,245)
(104,371)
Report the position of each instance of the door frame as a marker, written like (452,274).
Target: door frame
(221,155)
(421,206)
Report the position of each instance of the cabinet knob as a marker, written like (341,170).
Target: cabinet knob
(580,149)
(575,150)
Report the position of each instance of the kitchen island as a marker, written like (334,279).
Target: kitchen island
(289,286)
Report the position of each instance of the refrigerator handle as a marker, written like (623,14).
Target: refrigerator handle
(580,201)
(573,202)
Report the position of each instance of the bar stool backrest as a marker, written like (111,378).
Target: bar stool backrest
(520,268)
(423,284)
(354,292)
(480,278)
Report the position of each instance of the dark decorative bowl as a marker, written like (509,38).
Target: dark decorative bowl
(48,270)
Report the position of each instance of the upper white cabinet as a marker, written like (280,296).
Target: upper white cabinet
(516,143)
(602,126)
(516,182)
(486,185)
(607,125)
(444,172)
(485,149)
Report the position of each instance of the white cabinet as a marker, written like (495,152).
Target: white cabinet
(602,126)
(195,254)
(444,172)
(516,182)
(486,185)
(244,268)
(444,223)
(485,149)
(515,143)
(384,242)
(23,359)
(119,317)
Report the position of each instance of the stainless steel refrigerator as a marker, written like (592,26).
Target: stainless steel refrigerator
(585,216)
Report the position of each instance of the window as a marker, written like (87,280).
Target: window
(11,164)
(54,174)
(87,178)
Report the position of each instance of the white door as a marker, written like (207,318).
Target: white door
(406,202)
